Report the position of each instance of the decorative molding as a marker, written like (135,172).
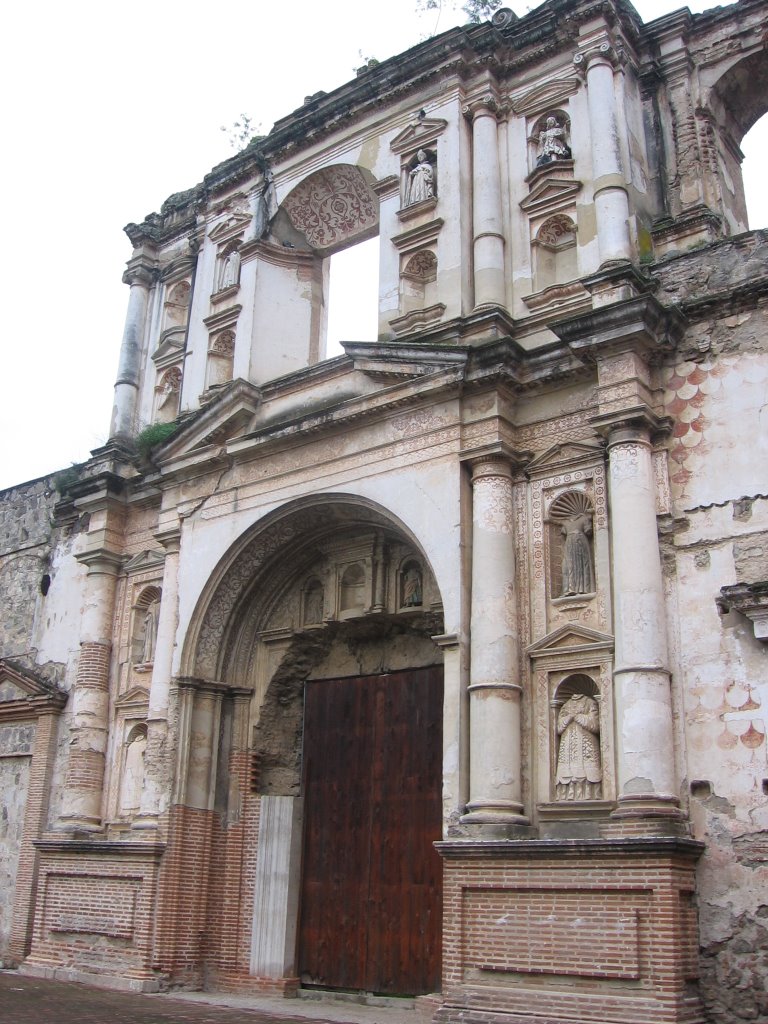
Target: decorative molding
(419,237)
(419,133)
(550,193)
(539,99)
(417,318)
(750,600)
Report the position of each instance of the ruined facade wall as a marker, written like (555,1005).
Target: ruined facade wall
(718,453)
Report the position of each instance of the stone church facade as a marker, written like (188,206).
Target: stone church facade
(437,668)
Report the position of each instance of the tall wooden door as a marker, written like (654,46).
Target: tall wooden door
(371,899)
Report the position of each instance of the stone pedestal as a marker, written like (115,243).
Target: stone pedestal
(583,931)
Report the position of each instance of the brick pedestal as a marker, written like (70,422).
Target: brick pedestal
(570,932)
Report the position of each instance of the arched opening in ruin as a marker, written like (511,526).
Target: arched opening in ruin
(314,703)
(754,146)
(738,100)
(333,214)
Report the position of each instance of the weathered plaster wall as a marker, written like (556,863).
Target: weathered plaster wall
(717,394)
(16,742)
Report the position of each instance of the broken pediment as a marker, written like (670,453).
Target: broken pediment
(170,347)
(572,638)
(571,453)
(550,193)
(228,414)
(382,360)
(418,133)
(24,693)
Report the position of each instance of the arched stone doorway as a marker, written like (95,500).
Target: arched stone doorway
(313,672)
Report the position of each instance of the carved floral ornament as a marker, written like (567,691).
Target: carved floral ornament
(557,231)
(333,206)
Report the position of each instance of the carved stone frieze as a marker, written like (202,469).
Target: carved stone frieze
(332,206)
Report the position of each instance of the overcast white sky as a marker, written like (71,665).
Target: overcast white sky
(110,108)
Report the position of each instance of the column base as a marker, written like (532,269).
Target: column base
(494,812)
(646,815)
(76,824)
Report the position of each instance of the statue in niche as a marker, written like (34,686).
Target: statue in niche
(421,181)
(133,773)
(313,603)
(552,144)
(412,587)
(579,771)
(577,557)
(230,271)
(149,633)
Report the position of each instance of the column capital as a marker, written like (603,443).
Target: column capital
(170,539)
(638,425)
(485,105)
(101,561)
(596,54)
(140,272)
(494,460)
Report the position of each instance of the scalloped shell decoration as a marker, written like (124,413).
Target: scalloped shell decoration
(572,503)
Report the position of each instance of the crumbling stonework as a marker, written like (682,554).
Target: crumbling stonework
(542,488)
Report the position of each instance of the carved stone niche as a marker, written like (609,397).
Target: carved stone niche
(572,730)
(146,613)
(549,142)
(227,281)
(571,561)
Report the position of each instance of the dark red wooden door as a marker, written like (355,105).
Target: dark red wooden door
(371,881)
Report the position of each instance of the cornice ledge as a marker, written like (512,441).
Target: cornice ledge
(541,849)
(751,600)
(640,323)
(99,847)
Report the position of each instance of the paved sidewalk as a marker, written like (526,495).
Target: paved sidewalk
(26,1000)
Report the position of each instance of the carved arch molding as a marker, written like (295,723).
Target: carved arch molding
(334,208)
(284,549)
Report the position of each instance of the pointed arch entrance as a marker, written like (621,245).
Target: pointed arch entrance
(326,617)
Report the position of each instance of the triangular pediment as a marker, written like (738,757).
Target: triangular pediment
(540,99)
(571,638)
(136,696)
(550,193)
(227,415)
(146,561)
(570,453)
(20,688)
(418,133)
(230,225)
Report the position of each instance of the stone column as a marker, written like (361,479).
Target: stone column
(495,766)
(609,180)
(157,765)
(487,226)
(83,789)
(140,277)
(644,737)
(203,750)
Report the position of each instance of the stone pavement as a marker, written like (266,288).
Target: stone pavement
(25,1000)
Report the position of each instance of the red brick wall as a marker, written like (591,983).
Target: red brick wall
(587,931)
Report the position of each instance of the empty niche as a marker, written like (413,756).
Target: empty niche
(571,561)
(167,393)
(578,769)
(221,357)
(411,584)
(418,276)
(146,615)
(554,252)
(352,589)
(132,776)
(176,306)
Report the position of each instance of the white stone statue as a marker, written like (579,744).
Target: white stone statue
(230,271)
(421,181)
(578,577)
(149,633)
(412,596)
(552,144)
(579,770)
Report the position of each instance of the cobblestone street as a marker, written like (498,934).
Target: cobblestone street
(26,1000)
